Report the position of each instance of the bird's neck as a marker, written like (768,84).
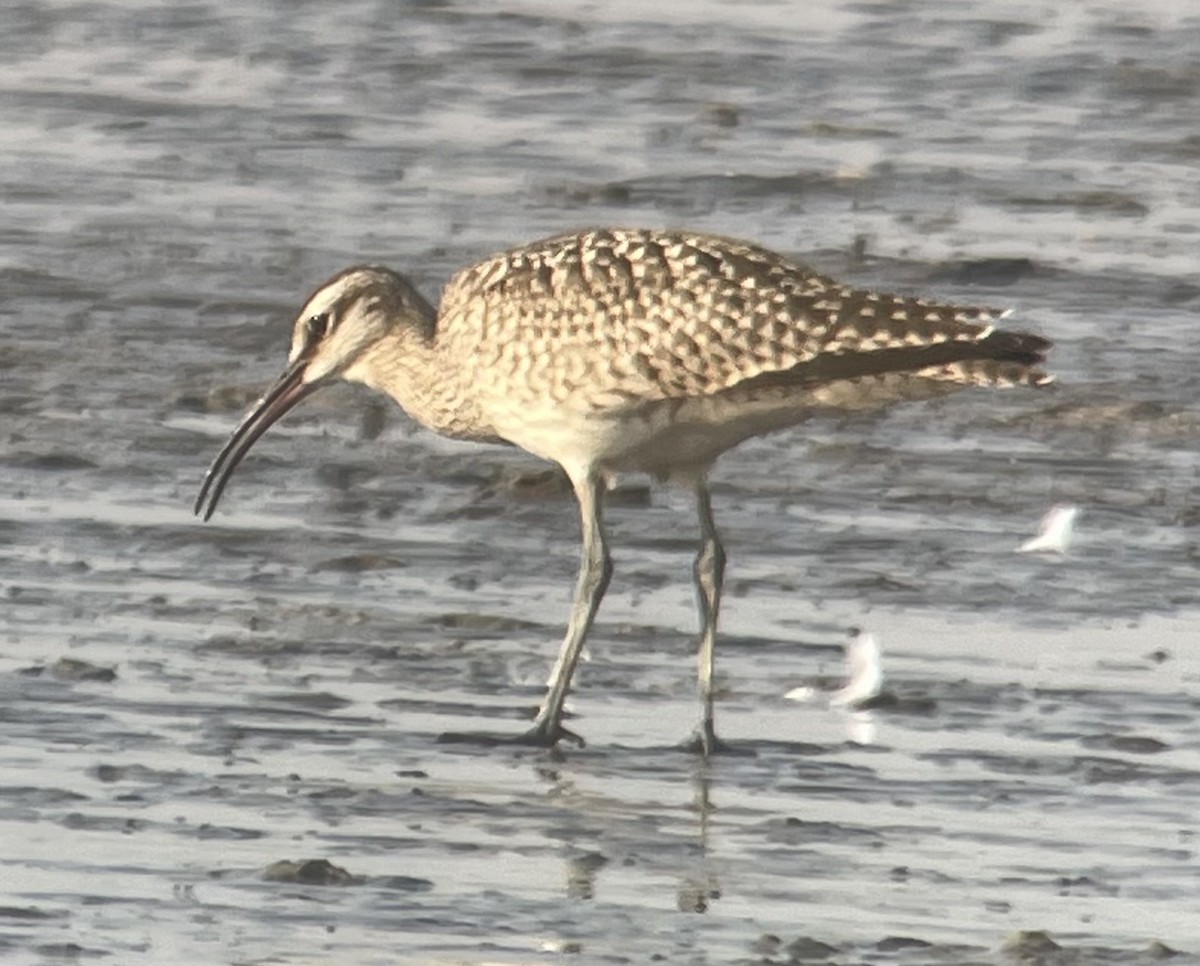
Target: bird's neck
(408,366)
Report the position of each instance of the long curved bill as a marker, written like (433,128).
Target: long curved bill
(288,390)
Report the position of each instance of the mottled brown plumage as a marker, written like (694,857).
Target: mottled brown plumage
(632,350)
(650,315)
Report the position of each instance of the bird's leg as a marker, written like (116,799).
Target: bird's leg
(595,569)
(709,571)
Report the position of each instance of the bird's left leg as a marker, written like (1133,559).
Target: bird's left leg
(709,571)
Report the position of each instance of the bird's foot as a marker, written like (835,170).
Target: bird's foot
(547,735)
(544,734)
(704,742)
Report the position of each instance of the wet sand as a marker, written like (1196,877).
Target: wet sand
(188,708)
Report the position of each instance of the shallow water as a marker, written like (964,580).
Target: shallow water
(175,179)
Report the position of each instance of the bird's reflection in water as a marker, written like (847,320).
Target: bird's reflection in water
(860,727)
(594,825)
(699,887)
(582,869)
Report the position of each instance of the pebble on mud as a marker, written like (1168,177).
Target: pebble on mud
(983,271)
(891,944)
(71,669)
(358,563)
(537,485)
(487,623)
(1029,946)
(54,462)
(722,114)
(534,485)
(221,399)
(806,949)
(308,872)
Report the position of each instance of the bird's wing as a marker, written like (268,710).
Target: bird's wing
(624,317)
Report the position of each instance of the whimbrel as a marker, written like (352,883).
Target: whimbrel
(630,350)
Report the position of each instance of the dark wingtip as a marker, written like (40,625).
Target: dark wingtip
(1024,348)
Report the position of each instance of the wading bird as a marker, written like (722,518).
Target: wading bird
(630,350)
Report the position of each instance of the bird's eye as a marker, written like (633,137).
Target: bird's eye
(317,326)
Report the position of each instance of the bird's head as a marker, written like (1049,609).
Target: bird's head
(350,315)
(334,335)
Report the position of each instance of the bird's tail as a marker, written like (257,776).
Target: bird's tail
(1001,358)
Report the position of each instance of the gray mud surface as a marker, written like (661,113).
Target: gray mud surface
(218,743)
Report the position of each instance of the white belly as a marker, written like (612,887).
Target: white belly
(665,439)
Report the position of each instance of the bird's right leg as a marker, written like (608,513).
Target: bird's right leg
(595,569)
